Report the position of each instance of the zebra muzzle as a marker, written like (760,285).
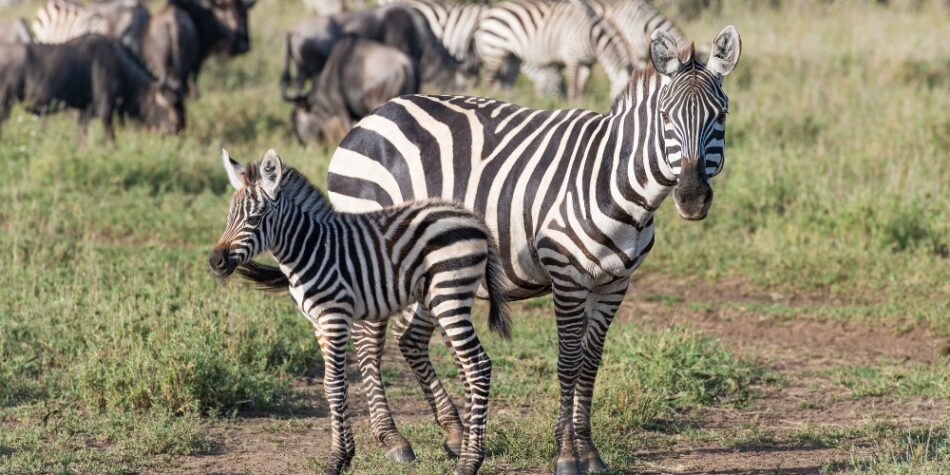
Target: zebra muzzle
(220,262)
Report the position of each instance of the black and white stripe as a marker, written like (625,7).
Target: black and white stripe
(59,21)
(637,20)
(348,268)
(548,35)
(569,194)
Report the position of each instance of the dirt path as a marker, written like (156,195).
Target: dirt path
(764,438)
(768,437)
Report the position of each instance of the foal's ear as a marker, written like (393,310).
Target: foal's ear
(271,170)
(234,169)
(664,52)
(726,49)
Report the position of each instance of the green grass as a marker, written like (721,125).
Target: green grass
(118,350)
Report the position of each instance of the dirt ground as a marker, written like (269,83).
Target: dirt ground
(796,349)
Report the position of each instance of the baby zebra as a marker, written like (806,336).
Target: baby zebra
(346,267)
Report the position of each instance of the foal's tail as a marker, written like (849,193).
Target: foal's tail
(499,321)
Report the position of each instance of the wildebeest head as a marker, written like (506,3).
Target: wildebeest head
(232,15)
(314,125)
(225,20)
(164,108)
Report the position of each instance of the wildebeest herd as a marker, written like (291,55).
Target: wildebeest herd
(506,202)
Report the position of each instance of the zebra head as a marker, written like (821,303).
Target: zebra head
(251,214)
(693,111)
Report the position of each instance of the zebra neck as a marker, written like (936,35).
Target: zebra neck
(641,176)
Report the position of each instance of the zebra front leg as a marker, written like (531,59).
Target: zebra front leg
(333,334)
(454,316)
(601,308)
(569,305)
(572,72)
(370,340)
(413,332)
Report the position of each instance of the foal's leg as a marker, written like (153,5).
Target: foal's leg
(370,339)
(455,317)
(413,332)
(601,308)
(333,334)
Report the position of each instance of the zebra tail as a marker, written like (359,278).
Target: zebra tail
(264,277)
(499,320)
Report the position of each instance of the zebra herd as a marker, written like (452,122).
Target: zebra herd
(555,202)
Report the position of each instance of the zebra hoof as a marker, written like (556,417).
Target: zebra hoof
(453,450)
(567,467)
(402,454)
(596,465)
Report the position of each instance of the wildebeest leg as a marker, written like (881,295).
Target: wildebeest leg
(370,339)
(601,307)
(85,115)
(413,332)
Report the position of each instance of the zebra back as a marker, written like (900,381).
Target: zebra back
(59,21)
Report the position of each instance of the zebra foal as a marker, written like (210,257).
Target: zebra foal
(342,268)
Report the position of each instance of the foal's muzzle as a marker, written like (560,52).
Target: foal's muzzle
(693,196)
(221,263)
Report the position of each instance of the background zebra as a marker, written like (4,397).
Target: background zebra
(637,20)
(569,194)
(343,268)
(59,21)
(454,24)
(548,35)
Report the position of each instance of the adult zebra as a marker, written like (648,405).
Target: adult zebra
(637,20)
(569,194)
(454,24)
(363,267)
(548,35)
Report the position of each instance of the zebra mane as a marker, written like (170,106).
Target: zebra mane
(296,187)
(624,100)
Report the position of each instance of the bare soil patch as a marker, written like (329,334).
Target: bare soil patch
(763,438)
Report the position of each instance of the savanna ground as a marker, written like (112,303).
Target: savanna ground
(801,328)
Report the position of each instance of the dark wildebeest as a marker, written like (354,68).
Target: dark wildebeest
(17,33)
(360,75)
(309,44)
(178,39)
(94,74)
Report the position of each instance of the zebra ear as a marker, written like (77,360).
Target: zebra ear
(271,170)
(664,52)
(234,169)
(726,49)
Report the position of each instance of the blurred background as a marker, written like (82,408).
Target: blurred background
(803,325)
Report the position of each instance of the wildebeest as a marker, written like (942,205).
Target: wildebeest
(360,75)
(178,39)
(18,32)
(172,44)
(398,26)
(94,74)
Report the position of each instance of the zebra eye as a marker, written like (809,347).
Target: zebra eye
(665,116)
(253,220)
(722,117)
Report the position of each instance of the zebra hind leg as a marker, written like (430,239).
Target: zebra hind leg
(370,339)
(413,332)
(455,318)
(333,347)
